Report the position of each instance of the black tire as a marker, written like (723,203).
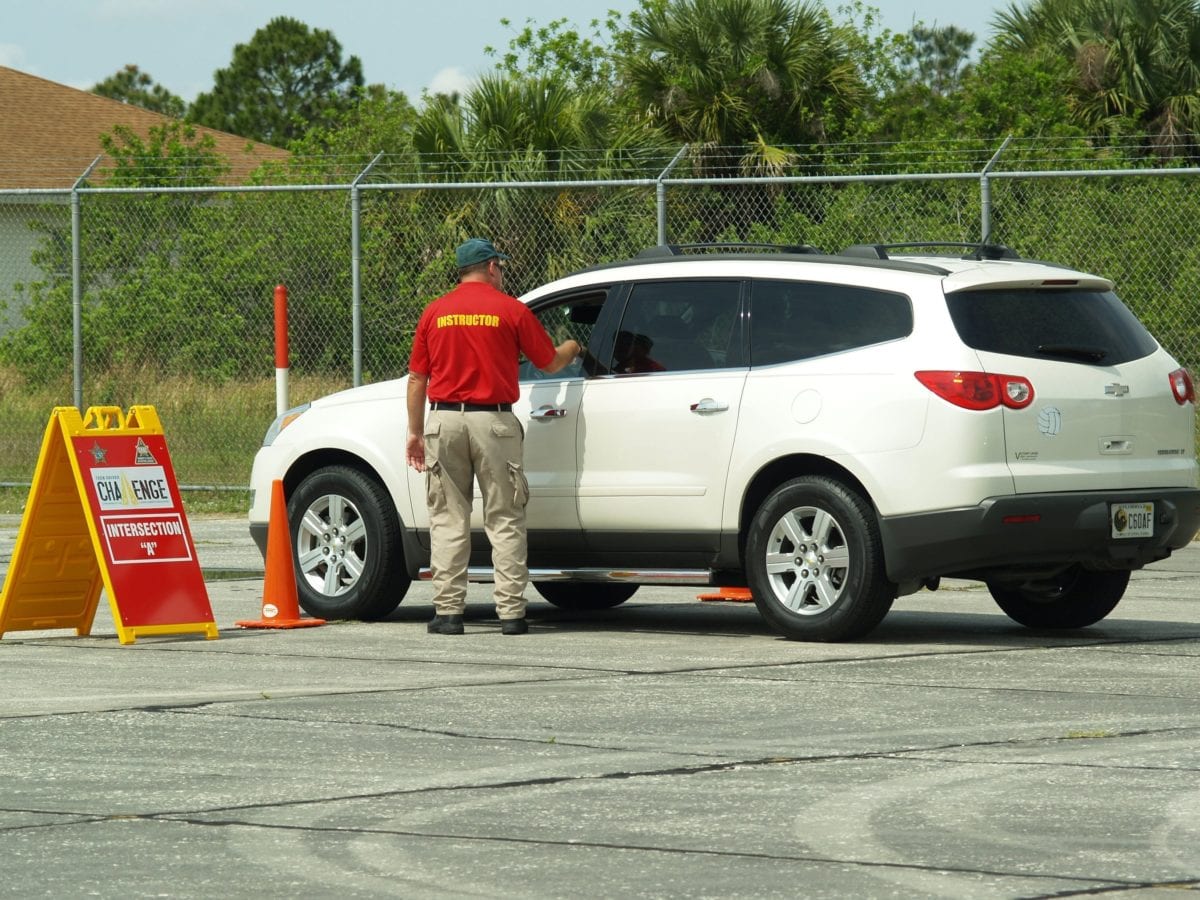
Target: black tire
(346,546)
(814,562)
(1075,599)
(578,596)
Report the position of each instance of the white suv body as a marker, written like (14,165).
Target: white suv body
(830,431)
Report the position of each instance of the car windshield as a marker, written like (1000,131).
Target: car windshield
(1083,326)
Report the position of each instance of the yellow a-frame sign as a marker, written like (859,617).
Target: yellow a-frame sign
(104,512)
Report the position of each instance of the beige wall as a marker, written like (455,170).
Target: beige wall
(17,243)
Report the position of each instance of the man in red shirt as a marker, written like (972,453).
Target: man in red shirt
(632,354)
(464,361)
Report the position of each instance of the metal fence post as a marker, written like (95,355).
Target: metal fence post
(985,195)
(77,287)
(660,195)
(356,269)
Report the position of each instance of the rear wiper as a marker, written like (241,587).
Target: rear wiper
(1083,354)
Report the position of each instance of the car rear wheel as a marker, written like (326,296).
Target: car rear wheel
(1074,599)
(584,596)
(346,541)
(814,562)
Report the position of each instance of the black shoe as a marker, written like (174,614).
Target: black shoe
(514,626)
(445,625)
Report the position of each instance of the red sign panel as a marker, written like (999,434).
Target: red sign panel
(141,528)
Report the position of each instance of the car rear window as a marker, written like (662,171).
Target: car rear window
(1083,326)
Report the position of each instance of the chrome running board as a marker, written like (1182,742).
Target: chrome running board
(485,575)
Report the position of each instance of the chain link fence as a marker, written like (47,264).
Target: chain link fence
(164,296)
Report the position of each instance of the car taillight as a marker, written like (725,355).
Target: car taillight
(1182,387)
(979,390)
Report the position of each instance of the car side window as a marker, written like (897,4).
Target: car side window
(793,320)
(675,326)
(568,317)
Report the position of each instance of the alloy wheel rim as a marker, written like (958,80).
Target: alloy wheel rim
(807,561)
(331,545)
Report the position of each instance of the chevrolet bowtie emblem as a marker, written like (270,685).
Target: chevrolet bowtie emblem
(1116,390)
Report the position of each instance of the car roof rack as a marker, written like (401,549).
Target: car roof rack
(866,255)
(975,251)
(664,250)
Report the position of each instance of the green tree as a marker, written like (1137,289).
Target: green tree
(1004,94)
(561,52)
(525,128)
(1013,93)
(173,155)
(514,126)
(940,57)
(740,72)
(878,52)
(1136,63)
(381,121)
(929,107)
(286,80)
(157,272)
(132,85)
(914,79)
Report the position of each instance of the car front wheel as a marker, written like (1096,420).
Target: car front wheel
(346,541)
(814,561)
(1074,599)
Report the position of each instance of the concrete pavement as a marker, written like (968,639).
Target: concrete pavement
(666,748)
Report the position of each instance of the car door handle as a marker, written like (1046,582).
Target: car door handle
(707,405)
(548,412)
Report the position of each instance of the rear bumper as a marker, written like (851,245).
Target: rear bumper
(1045,531)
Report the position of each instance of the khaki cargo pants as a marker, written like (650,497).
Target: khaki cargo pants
(461,448)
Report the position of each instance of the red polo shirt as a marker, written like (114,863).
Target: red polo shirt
(469,343)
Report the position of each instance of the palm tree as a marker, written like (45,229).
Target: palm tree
(720,73)
(508,128)
(511,126)
(1136,62)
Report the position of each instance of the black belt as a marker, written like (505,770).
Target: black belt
(471,407)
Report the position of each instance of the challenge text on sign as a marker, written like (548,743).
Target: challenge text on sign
(137,486)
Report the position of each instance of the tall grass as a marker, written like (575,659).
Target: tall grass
(212,429)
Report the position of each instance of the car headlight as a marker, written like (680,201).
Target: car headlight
(283,421)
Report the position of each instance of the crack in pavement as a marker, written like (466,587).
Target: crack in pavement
(1121,889)
(693,754)
(1093,885)
(76,819)
(735,672)
(1088,886)
(440,732)
(104,645)
(908,754)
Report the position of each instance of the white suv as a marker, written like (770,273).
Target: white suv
(831,431)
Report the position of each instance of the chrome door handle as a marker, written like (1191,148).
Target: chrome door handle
(547,412)
(707,405)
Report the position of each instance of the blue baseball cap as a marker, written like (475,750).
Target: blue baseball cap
(477,250)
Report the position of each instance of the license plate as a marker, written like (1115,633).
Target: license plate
(1132,520)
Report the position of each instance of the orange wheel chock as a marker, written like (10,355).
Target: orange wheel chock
(729,595)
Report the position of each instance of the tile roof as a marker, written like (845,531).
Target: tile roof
(50,133)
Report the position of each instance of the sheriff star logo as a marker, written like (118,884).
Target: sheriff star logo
(99,454)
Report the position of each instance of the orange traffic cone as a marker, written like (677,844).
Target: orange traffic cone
(280,606)
(729,594)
